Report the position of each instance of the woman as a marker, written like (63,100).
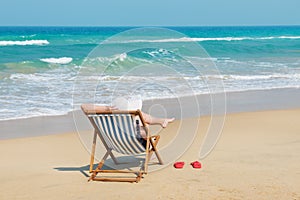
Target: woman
(150,120)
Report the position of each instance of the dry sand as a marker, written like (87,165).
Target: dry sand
(257,157)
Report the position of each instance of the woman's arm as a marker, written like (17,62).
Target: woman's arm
(92,108)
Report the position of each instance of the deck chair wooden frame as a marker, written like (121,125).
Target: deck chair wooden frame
(92,112)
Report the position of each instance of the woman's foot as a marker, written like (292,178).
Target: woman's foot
(165,123)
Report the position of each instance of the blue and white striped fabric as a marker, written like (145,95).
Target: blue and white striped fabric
(119,132)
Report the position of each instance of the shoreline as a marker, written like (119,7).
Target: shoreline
(236,102)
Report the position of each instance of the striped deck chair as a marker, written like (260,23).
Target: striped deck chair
(118,132)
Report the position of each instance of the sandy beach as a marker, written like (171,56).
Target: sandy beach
(257,157)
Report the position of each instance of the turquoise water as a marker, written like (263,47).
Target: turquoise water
(39,65)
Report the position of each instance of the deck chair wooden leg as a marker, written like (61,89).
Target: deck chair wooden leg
(101,163)
(145,165)
(151,150)
(113,157)
(154,149)
(93,152)
(105,145)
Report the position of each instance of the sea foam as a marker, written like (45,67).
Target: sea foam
(202,39)
(23,43)
(62,60)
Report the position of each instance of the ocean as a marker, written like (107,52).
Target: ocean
(46,70)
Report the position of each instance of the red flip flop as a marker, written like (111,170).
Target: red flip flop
(196,165)
(178,165)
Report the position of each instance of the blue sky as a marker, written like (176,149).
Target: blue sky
(149,13)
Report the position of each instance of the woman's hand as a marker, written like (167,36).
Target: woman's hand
(111,108)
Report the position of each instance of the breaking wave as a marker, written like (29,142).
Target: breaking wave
(62,60)
(202,39)
(23,43)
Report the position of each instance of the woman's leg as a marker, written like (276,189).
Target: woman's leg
(157,121)
(154,121)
